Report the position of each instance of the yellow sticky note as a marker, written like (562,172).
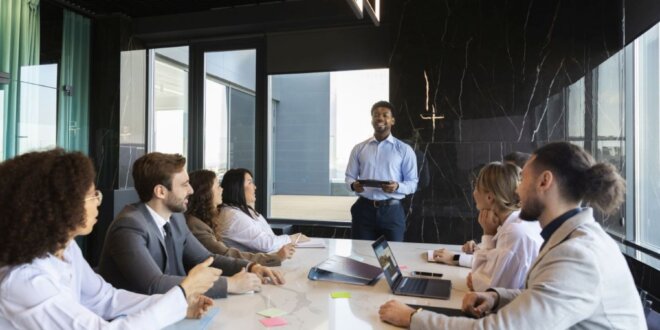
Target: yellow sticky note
(272,312)
(340,294)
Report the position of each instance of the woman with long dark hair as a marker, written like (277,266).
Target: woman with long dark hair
(240,225)
(48,199)
(203,219)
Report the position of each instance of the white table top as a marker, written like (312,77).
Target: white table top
(308,303)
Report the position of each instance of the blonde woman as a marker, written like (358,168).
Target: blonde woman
(509,244)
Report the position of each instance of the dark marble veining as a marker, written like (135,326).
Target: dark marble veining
(499,72)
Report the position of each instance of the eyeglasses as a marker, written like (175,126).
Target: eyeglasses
(98,195)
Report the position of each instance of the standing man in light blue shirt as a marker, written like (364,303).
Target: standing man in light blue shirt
(384,158)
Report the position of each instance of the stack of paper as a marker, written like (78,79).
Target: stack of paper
(312,243)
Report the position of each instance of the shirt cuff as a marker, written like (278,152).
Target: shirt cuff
(487,242)
(465,260)
(185,296)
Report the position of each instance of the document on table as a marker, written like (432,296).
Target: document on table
(312,243)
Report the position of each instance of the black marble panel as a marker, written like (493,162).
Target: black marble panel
(496,71)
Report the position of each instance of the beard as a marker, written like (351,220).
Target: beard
(532,209)
(176,205)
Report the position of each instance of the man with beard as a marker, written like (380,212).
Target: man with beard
(387,159)
(148,247)
(579,280)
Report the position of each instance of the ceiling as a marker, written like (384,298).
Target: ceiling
(146,8)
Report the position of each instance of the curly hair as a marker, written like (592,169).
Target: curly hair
(200,204)
(43,203)
(153,169)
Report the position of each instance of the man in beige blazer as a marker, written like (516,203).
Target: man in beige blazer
(580,279)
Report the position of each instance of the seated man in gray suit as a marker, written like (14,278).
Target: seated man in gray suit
(148,247)
(579,280)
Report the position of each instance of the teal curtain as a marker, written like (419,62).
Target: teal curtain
(19,46)
(73,113)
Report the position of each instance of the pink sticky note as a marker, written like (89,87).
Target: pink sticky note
(403,267)
(273,321)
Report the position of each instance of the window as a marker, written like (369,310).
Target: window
(624,114)
(576,112)
(316,119)
(132,118)
(647,139)
(169,100)
(230,110)
(37,125)
(610,133)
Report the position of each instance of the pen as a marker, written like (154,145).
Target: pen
(297,238)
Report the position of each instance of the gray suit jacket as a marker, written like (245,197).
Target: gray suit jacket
(134,254)
(580,280)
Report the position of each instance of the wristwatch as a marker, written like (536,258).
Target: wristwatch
(457,257)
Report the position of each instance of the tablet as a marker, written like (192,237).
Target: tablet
(444,311)
(372,183)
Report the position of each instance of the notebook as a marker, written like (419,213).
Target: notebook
(345,270)
(406,285)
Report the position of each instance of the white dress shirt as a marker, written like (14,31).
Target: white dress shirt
(240,231)
(502,260)
(160,222)
(50,293)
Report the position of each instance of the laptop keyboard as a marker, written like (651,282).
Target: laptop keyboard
(415,285)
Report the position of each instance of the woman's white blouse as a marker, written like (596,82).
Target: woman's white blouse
(240,231)
(502,260)
(50,293)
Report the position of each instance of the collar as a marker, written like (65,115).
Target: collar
(390,139)
(158,220)
(550,229)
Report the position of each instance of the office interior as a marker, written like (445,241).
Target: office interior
(281,87)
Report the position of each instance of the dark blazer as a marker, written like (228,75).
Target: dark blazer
(134,256)
(205,235)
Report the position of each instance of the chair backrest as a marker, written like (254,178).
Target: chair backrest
(652,319)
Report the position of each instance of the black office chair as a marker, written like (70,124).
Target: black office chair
(652,317)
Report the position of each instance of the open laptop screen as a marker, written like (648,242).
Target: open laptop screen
(386,259)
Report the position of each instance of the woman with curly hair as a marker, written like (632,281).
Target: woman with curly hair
(509,244)
(241,226)
(48,199)
(203,220)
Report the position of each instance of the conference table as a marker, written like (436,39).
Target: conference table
(308,304)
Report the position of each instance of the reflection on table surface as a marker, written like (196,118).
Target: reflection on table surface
(308,303)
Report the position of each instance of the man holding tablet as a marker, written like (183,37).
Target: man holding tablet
(382,170)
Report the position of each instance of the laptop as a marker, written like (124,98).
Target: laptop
(406,285)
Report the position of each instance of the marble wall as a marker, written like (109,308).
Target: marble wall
(498,72)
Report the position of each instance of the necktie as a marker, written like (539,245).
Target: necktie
(172,265)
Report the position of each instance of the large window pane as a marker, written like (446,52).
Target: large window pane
(37,126)
(610,98)
(610,113)
(648,139)
(2,124)
(230,110)
(132,117)
(170,100)
(317,118)
(576,113)
(216,127)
